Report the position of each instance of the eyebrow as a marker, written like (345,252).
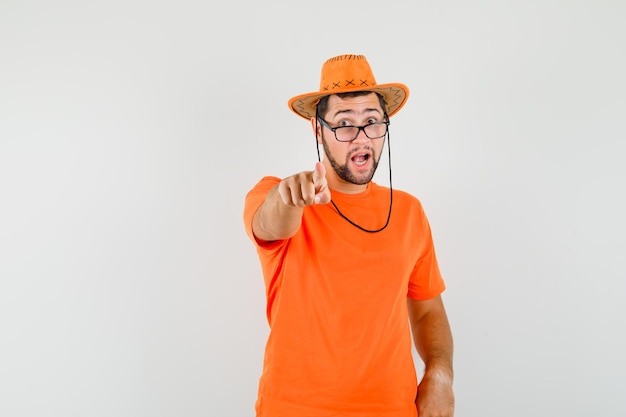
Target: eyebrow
(350,111)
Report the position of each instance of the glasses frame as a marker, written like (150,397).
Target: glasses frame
(360,128)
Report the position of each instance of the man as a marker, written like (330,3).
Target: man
(350,269)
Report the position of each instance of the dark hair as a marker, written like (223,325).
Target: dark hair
(322,106)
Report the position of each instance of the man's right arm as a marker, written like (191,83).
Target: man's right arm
(280,215)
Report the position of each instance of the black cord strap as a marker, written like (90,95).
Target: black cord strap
(390,189)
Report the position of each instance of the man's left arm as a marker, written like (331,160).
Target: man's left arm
(433,341)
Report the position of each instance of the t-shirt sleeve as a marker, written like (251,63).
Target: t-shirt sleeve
(426,281)
(254,198)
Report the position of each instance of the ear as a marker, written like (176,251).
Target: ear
(317,129)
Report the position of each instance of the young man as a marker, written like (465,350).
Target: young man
(350,269)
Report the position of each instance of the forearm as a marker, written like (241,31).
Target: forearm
(275,220)
(433,342)
(432,337)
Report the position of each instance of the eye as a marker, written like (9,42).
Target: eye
(372,121)
(344,123)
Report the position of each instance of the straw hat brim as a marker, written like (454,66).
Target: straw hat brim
(395,94)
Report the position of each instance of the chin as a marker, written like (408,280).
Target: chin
(362,179)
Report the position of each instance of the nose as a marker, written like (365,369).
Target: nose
(361,136)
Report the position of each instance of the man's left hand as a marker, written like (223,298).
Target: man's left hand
(435,397)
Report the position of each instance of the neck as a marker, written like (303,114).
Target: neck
(347,188)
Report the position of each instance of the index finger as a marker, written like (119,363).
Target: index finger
(319,174)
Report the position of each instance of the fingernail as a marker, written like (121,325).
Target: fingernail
(318,199)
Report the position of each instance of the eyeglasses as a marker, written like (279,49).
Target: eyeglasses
(349,133)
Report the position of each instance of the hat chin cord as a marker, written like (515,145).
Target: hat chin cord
(390,188)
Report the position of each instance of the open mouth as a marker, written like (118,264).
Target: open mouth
(360,159)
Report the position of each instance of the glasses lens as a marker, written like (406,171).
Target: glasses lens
(346,133)
(375,130)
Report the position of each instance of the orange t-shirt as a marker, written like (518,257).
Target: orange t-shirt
(340,342)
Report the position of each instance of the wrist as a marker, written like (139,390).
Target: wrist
(439,373)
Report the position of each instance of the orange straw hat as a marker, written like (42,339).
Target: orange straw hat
(347,73)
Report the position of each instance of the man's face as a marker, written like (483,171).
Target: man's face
(354,162)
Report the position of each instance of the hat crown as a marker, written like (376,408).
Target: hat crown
(346,72)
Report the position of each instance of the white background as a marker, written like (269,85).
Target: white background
(131,130)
